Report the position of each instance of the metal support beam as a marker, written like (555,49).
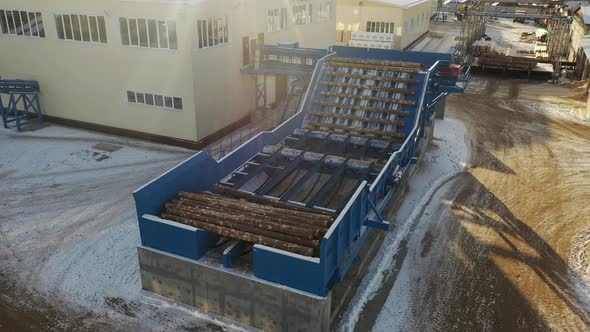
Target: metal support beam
(311,172)
(233,251)
(282,174)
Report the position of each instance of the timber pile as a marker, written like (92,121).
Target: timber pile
(278,225)
(508,62)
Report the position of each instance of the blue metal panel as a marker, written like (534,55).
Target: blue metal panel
(235,250)
(288,269)
(174,238)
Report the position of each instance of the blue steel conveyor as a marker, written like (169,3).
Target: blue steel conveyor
(304,197)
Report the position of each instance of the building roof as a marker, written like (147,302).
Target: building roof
(400,3)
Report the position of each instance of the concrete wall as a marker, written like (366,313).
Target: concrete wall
(252,302)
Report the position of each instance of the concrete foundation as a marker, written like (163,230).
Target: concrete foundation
(247,300)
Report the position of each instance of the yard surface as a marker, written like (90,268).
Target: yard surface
(494,233)
(68,233)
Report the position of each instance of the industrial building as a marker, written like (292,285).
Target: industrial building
(162,70)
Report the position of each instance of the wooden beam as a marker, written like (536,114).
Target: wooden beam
(269,201)
(376,132)
(374,78)
(369,87)
(309,218)
(377,62)
(370,98)
(240,235)
(358,118)
(261,214)
(244,219)
(361,108)
(242,227)
(379,68)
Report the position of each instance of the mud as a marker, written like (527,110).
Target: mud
(504,247)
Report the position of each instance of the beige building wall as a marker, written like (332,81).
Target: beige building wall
(578,31)
(410,23)
(88,81)
(416,23)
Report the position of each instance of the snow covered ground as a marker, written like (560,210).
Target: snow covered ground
(68,227)
(444,159)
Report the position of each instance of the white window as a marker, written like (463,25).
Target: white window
(212,31)
(384,27)
(277,19)
(302,13)
(156,100)
(325,10)
(21,23)
(84,28)
(152,33)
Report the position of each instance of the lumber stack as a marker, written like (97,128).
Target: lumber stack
(278,224)
(508,62)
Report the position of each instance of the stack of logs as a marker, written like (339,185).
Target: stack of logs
(508,62)
(279,225)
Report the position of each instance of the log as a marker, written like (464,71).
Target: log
(358,118)
(381,68)
(368,87)
(299,217)
(362,108)
(268,201)
(244,228)
(320,220)
(244,236)
(371,98)
(262,223)
(377,62)
(373,78)
(318,231)
(376,132)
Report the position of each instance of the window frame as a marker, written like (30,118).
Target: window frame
(28,19)
(204,39)
(380,27)
(155,97)
(321,9)
(148,33)
(278,20)
(89,17)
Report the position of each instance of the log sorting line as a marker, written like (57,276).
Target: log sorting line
(283,227)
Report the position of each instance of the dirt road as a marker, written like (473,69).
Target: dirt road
(505,246)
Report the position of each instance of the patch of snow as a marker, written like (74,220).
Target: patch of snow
(68,226)
(447,159)
(579,262)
